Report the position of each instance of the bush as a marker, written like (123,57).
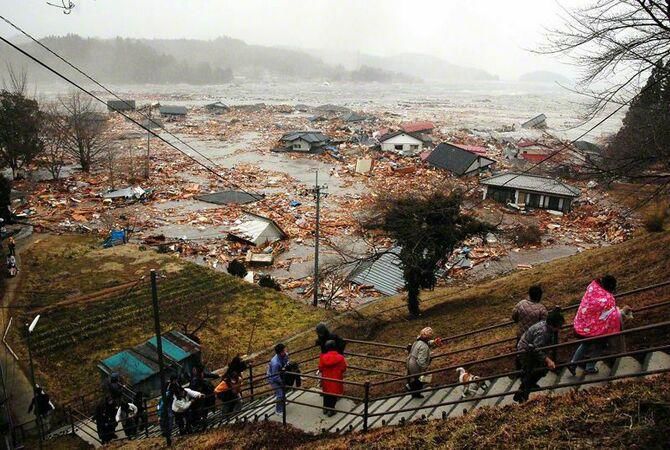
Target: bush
(267,281)
(530,235)
(655,221)
(237,269)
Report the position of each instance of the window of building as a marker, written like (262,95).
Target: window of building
(398,146)
(414,147)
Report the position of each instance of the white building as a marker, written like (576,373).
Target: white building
(406,144)
(303,141)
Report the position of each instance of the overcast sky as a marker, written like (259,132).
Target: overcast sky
(489,34)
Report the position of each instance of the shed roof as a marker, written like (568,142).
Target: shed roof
(532,183)
(217,105)
(120,105)
(384,274)
(230,197)
(173,110)
(353,116)
(535,122)
(312,137)
(456,159)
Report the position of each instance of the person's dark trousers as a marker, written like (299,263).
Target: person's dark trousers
(183,422)
(533,370)
(415,385)
(142,420)
(329,401)
(231,403)
(130,427)
(12,250)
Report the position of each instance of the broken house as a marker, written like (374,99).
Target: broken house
(457,159)
(530,191)
(138,366)
(121,105)
(172,111)
(539,121)
(406,144)
(256,230)
(302,141)
(533,152)
(417,127)
(217,108)
(352,117)
(384,274)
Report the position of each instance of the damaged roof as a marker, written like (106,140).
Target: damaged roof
(173,110)
(384,274)
(312,137)
(534,183)
(257,230)
(457,160)
(388,136)
(413,127)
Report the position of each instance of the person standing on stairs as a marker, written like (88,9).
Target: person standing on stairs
(534,362)
(418,360)
(331,365)
(598,315)
(278,363)
(323,335)
(529,311)
(11,246)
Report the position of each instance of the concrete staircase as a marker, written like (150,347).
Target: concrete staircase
(311,419)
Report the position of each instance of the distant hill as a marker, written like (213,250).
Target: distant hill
(429,68)
(544,76)
(140,61)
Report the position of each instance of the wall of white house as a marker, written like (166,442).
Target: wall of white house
(477,164)
(300,145)
(403,144)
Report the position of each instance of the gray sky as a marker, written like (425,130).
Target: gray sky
(487,34)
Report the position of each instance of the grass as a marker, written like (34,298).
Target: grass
(70,339)
(615,416)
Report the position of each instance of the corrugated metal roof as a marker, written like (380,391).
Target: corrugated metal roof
(538,120)
(532,183)
(130,365)
(121,105)
(384,274)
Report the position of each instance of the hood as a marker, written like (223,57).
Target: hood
(332,358)
(322,330)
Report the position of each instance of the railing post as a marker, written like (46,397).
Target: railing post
(69,414)
(145,418)
(251,382)
(283,397)
(366,400)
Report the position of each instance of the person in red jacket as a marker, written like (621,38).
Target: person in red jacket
(331,365)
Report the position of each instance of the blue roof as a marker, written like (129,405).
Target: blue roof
(130,366)
(170,350)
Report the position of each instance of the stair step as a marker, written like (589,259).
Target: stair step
(405,402)
(656,361)
(378,406)
(509,399)
(550,379)
(626,365)
(566,377)
(432,399)
(342,424)
(498,386)
(604,371)
(462,408)
(440,411)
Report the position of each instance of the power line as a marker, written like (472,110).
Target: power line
(25,33)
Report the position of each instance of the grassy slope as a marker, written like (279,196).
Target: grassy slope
(70,340)
(606,417)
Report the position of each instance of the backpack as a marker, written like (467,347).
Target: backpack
(289,379)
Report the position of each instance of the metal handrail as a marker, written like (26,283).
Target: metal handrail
(353,383)
(549,347)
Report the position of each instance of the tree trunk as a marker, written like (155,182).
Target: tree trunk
(413,285)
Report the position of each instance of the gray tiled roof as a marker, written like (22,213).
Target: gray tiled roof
(532,183)
(310,136)
(455,159)
(384,274)
(173,110)
(228,197)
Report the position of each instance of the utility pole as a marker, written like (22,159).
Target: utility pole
(161,368)
(31,327)
(317,191)
(146,163)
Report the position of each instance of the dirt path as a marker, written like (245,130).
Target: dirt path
(17,384)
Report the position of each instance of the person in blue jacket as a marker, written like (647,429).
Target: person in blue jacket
(277,363)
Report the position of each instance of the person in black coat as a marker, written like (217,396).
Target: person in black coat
(42,406)
(105,420)
(324,335)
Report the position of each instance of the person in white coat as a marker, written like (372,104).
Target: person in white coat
(181,404)
(126,415)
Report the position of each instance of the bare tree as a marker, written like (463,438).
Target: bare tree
(615,43)
(110,160)
(54,156)
(85,128)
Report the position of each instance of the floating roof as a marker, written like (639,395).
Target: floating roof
(532,183)
(257,230)
(121,105)
(230,197)
(388,136)
(413,127)
(173,110)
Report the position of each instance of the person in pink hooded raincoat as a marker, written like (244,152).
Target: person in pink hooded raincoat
(598,315)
